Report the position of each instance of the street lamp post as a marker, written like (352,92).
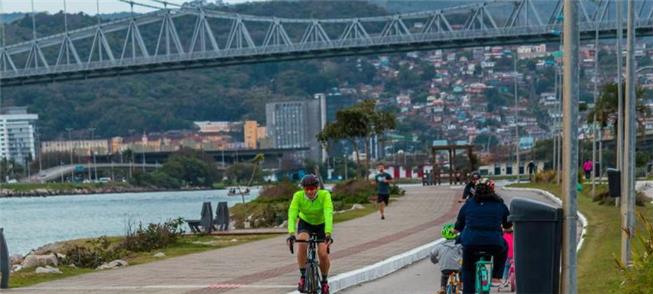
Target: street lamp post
(570,143)
(516,113)
(629,136)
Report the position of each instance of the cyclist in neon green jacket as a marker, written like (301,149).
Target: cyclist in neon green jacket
(311,211)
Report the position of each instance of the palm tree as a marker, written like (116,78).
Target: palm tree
(257,160)
(606,107)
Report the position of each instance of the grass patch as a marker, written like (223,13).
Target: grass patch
(597,270)
(352,214)
(187,244)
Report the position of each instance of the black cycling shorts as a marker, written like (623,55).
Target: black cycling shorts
(383,198)
(304,227)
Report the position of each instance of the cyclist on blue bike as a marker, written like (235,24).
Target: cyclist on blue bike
(311,212)
(480,221)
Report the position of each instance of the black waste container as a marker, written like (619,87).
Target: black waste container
(614,182)
(537,243)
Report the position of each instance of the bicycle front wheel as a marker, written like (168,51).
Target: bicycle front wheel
(312,279)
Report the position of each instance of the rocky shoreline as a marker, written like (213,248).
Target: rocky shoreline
(46,192)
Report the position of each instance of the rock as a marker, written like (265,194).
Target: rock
(34,260)
(16,268)
(357,206)
(47,270)
(114,264)
(283,224)
(16,259)
(234,240)
(160,254)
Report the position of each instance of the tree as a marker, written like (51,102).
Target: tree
(360,121)
(606,107)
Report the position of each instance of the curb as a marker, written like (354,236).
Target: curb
(547,194)
(381,268)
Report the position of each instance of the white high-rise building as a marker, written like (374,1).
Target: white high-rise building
(17,129)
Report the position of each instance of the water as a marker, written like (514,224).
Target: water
(35,221)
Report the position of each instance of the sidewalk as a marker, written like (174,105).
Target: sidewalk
(266,266)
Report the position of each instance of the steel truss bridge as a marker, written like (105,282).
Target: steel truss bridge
(155,42)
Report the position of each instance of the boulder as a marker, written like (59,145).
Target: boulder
(160,254)
(114,264)
(34,260)
(16,268)
(16,259)
(357,206)
(283,224)
(47,270)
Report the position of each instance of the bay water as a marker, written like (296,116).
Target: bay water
(32,222)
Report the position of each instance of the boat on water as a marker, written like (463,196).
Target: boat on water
(237,191)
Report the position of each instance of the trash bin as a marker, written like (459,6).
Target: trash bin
(4,262)
(614,182)
(537,244)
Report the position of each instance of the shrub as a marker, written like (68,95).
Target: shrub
(92,254)
(259,214)
(603,198)
(152,236)
(353,191)
(279,192)
(639,278)
(547,176)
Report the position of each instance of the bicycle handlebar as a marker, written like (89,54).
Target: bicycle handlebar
(292,244)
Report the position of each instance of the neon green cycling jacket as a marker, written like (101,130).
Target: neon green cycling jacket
(315,212)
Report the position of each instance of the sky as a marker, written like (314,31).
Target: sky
(87,6)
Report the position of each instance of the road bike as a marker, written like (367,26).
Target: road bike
(313,278)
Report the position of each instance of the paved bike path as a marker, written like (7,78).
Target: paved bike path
(423,276)
(266,266)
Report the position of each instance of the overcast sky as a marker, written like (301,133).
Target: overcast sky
(87,6)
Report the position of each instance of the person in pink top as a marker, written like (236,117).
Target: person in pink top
(587,168)
(507,236)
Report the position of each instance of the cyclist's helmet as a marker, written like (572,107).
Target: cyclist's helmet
(310,181)
(484,186)
(448,232)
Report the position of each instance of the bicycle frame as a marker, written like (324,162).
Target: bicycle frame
(483,274)
(454,284)
(313,276)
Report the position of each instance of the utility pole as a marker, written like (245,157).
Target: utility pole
(620,118)
(628,161)
(570,144)
(596,96)
(516,112)
(93,153)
